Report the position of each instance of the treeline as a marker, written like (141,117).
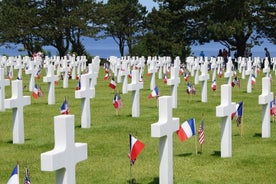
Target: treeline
(168,30)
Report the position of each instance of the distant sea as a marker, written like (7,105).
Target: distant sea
(107,47)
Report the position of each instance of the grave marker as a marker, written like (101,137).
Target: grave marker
(225,111)
(16,103)
(204,77)
(174,82)
(66,153)
(265,99)
(85,93)
(135,87)
(3,82)
(50,78)
(164,129)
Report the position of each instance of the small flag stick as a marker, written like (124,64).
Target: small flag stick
(242,120)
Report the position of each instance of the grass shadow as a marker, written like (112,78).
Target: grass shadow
(184,154)
(155,181)
(77,126)
(257,135)
(216,153)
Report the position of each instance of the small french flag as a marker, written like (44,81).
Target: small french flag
(186,130)
(154,93)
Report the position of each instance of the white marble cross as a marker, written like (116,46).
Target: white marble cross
(19,66)
(135,87)
(174,82)
(249,73)
(85,93)
(16,103)
(225,111)
(3,82)
(204,77)
(164,129)
(229,72)
(65,69)
(266,69)
(31,71)
(196,69)
(124,75)
(50,78)
(265,99)
(151,71)
(66,153)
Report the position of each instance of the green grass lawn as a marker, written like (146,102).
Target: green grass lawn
(253,158)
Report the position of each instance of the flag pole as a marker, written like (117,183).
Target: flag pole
(242,119)
(195,140)
(18,170)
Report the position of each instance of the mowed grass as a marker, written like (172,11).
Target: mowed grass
(253,157)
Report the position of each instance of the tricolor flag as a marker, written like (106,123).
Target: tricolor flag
(273,108)
(35,93)
(106,67)
(38,74)
(130,74)
(214,85)
(220,73)
(154,93)
(117,101)
(253,79)
(186,76)
(78,87)
(64,109)
(238,113)
(106,76)
(27,179)
(236,81)
(201,133)
(135,149)
(112,83)
(190,88)
(186,130)
(165,79)
(14,178)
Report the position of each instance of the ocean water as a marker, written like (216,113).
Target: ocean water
(107,47)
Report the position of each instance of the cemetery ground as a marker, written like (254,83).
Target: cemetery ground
(253,157)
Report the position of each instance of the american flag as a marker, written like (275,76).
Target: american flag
(27,177)
(201,133)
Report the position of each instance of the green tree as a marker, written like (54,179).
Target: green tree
(19,24)
(124,21)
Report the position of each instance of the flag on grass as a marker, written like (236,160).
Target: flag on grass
(201,133)
(214,85)
(38,74)
(236,81)
(117,101)
(238,113)
(14,178)
(220,73)
(64,109)
(78,87)
(35,92)
(186,130)
(112,83)
(253,79)
(165,79)
(186,76)
(190,88)
(106,76)
(273,108)
(154,93)
(27,179)
(135,149)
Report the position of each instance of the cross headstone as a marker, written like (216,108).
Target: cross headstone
(264,99)
(16,103)
(31,71)
(135,87)
(50,78)
(249,73)
(66,153)
(3,82)
(124,74)
(85,93)
(164,129)
(204,77)
(196,69)
(152,70)
(266,69)
(174,82)
(65,69)
(229,73)
(225,111)
(19,66)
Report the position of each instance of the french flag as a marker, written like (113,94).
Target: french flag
(14,178)
(78,87)
(154,93)
(64,109)
(106,76)
(214,85)
(186,130)
(253,79)
(112,83)
(165,79)
(35,92)
(136,147)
